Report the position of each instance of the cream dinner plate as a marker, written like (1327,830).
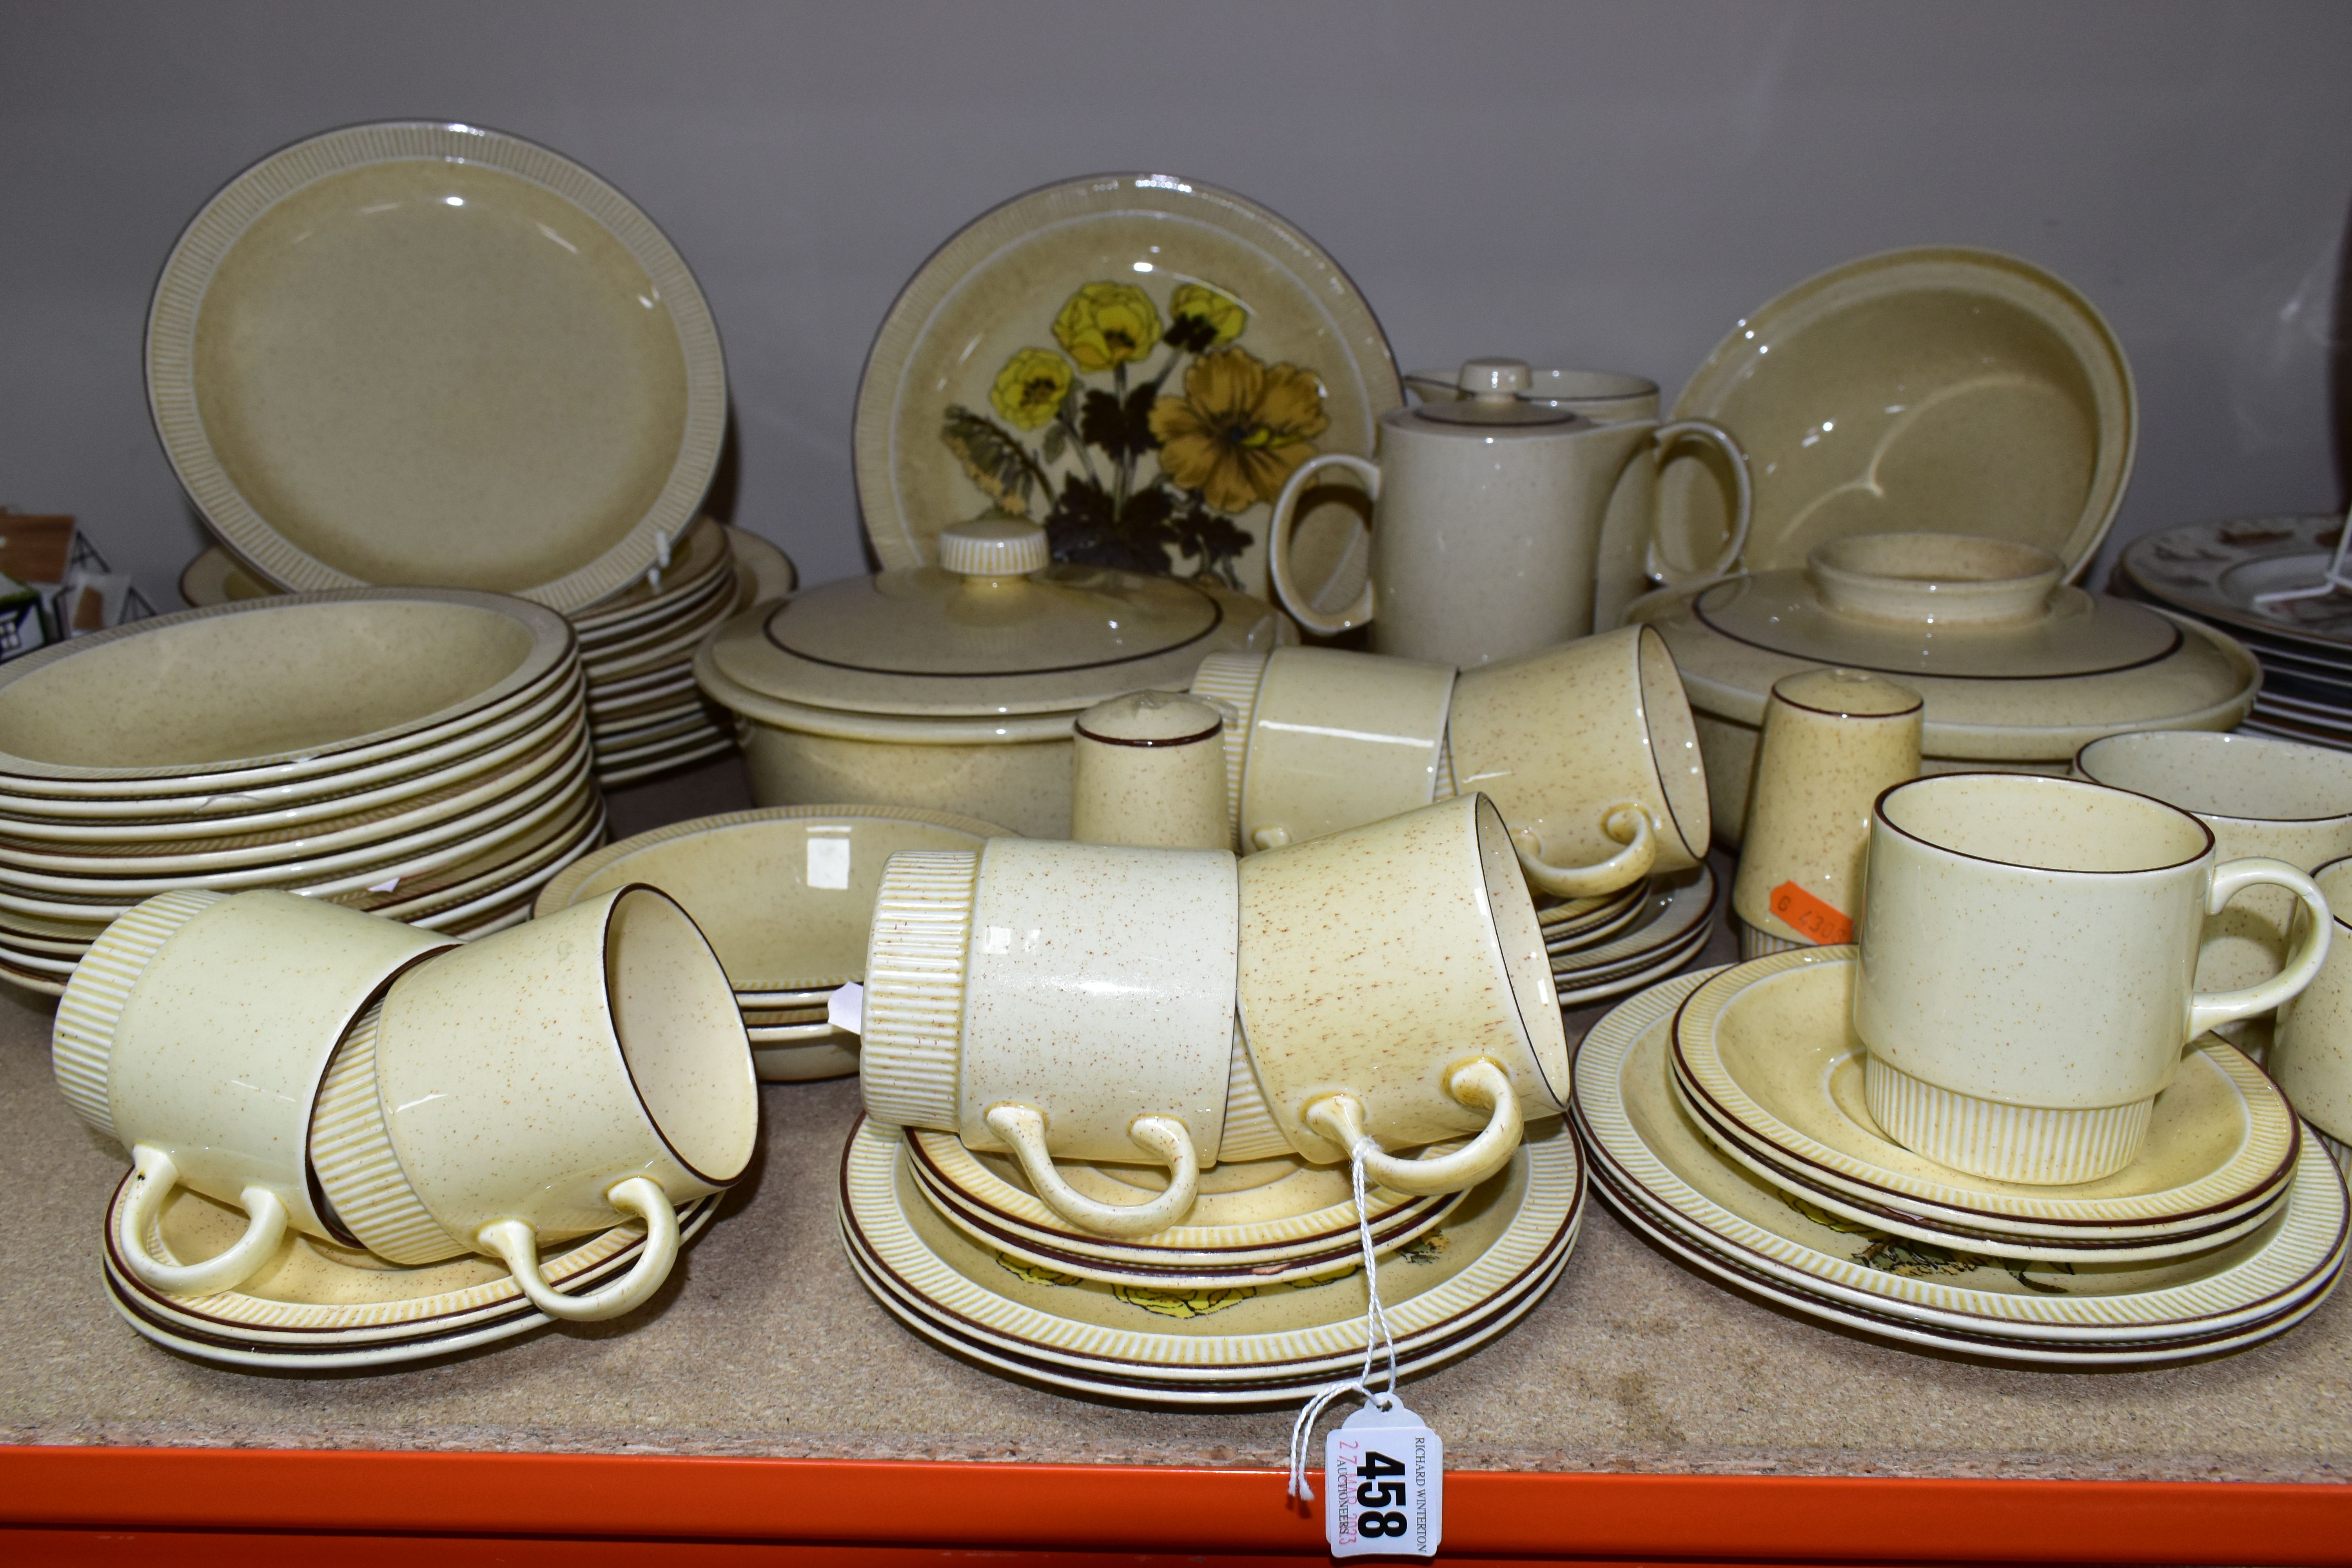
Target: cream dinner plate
(431,354)
(1223,345)
(1768,1046)
(1634,1127)
(1498,1241)
(1867,396)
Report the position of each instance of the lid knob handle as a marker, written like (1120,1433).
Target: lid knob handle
(1499,379)
(995,547)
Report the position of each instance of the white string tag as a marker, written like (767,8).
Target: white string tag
(846,1008)
(1383,1467)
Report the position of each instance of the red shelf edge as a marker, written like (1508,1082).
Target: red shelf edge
(1146,1507)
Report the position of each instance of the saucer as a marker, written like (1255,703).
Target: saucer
(1666,908)
(317,1304)
(1578,991)
(1563,919)
(1768,1048)
(1640,1139)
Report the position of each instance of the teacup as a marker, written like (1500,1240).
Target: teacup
(1393,986)
(552,1079)
(1148,769)
(2311,1050)
(197,1031)
(1590,753)
(2027,969)
(1058,999)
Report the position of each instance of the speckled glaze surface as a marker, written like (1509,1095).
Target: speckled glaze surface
(1559,738)
(1647,1152)
(421,353)
(1868,394)
(785,894)
(2068,991)
(1832,739)
(209,1021)
(609,1044)
(1373,960)
(2279,798)
(2311,1049)
(1148,769)
(1338,739)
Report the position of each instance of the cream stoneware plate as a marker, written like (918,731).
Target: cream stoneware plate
(1628,1114)
(431,354)
(1497,1239)
(1769,1046)
(772,570)
(1867,397)
(1136,362)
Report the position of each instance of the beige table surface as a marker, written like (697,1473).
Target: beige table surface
(764,1344)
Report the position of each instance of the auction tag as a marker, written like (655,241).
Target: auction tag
(1813,914)
(1383,1485)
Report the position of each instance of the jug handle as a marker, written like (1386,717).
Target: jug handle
(1743,497)
(1278,546)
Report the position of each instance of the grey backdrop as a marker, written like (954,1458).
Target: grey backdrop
(1608,185)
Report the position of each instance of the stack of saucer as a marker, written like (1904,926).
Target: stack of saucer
(785,895)
(419,753)
(2228,1230)
(917,1222)
(1626,943)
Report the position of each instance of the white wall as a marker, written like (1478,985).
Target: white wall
(1610,185)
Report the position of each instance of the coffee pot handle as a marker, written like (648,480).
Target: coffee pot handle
(516,1243)
(2210,1008)
(1022,1127)
(1742,501)
(1629,824)
(153,1178)
(1339,1119)
(1278,546)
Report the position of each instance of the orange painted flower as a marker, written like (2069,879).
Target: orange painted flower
(1240,428)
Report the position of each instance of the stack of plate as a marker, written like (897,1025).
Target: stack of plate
(2214,571)
(1626,942)
(2099,1297)
(956,1248)
(785,895)
(420,754)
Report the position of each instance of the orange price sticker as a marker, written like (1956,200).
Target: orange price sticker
(1815,916)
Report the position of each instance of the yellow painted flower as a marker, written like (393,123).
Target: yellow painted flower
(1199,300)
(1107,325)
(1240,428)
(1030,386)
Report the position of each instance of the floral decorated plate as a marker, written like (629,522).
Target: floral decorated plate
(1136,362)
(2216,570)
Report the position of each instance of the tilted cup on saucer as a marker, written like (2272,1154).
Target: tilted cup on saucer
(2028,968)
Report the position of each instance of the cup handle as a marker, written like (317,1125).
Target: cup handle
(154,1175)
(1339,1119)
(1022,1127)
(1278,546)
(2210,1008)
(1629,824)
(1266,839)
(1742,501)
(516,1243)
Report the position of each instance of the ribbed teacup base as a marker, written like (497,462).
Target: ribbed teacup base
(1758,944)
(2030,1143)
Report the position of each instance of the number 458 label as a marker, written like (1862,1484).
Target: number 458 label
(1383,1485)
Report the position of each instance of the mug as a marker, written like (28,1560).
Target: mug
(547,1080)
(196,1031)
(2027,969)
(1393,986)
(2311,1049)
(1833,739)
(1590,753)
(1488,516)
(1058,999)
(1148,769)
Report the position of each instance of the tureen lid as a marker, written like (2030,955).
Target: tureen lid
(996,627)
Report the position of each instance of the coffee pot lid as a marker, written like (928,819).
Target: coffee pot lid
(1496,392)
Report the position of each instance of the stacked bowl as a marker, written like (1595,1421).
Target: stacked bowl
(419,753)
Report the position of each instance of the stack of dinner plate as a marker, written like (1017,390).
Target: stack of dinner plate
(1723,1114)
(1259,1296)
(2222,572)
(785,894)
(421,753)
(1631,939)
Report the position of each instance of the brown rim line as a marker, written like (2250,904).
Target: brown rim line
(1678,1067)
(1211,734)
(1878,814)
(1570,1224)
(768,634)
(1617,969)
(1624,1180)
(2179,637)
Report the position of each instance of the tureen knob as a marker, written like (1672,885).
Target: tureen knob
(995,547)
(1501,379)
